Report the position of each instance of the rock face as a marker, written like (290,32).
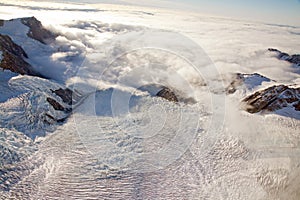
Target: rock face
(294,59)
(68,96)
(37,31)
(13,57)
(272,99)
(173,95)
(68,99)
(167,94)
(40,102)
(55,104)
(250,81)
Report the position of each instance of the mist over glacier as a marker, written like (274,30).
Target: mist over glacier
(98,152)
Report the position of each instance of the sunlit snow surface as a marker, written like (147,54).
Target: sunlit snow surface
(121,143)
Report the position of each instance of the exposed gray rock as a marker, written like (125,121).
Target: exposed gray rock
(13,57)
(55,104)
(68,96)
(37,31)
(168,94)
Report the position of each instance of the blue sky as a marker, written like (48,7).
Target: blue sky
(273,11)
(270,11)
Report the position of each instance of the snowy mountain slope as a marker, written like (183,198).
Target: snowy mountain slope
(279,99)
(39,49)
(79,168)
(37,31)
(26,117)
(268,98)
(248,81)
(30,104)
(108,167)
(13,57)
(14,146)
(29,108)
(6,91)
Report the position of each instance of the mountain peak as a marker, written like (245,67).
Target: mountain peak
(293,59)
(13,57)
(37,31)
(273,99)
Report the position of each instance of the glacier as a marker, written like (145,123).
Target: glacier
(121,141)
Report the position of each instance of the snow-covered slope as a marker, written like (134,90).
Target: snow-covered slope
(30,105)
(41,49)
(248,82)
(279,99)
(13,57)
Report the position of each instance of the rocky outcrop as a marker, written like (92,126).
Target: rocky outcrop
(13,57)
(167,94)
(63,101)
(68,96)
(294,59)
(174,95)
(272,99)
(37,31)
(250,81)
(55,104)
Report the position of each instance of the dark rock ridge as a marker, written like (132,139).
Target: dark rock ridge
(167,94)
(61,102)
(294,59)
(37,31)
(13,57)
(272,99)
(174,95)
(249,80)
(68,96)
(55,104)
